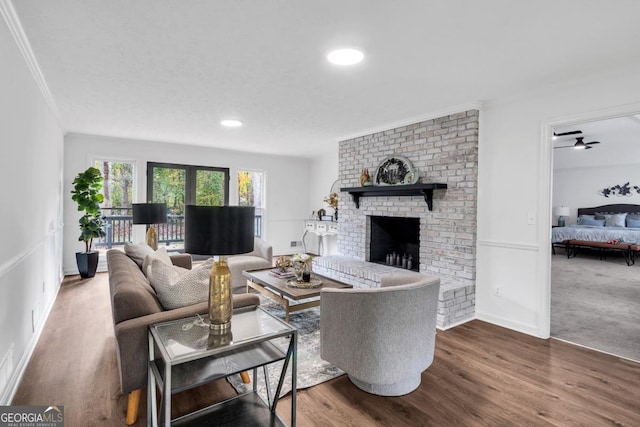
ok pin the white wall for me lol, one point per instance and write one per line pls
(514, 182)
(324, 172)
(578, 187)
(286, 178)
(31, 226)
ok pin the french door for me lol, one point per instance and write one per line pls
(180, 185)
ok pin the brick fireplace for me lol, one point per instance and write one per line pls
(443, 150)
(394, 241)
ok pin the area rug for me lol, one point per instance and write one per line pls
(596, 303)
(311, 369)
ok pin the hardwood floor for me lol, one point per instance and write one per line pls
(482, 375)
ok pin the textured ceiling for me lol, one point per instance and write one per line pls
(171, 70)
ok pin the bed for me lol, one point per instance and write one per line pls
(606, 228)
(601, 233)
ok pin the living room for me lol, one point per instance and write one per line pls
(544, 74)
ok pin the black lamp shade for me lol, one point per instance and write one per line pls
(219, 230)
(149, 213)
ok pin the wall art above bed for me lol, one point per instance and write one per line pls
(624, 190)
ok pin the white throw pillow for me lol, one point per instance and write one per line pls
(161, 254)
(178, 287)
(137, 252)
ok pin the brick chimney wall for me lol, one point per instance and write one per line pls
(441, 150)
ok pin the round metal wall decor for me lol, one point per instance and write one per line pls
(396, 170)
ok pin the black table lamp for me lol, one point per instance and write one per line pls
(150, 213)
(219, 230)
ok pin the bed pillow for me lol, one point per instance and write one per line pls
(633, 217)
(615, 220)
(633, 223)
(178, 287)
(592, 222)
(583, 218)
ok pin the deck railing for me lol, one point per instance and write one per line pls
(119, 223)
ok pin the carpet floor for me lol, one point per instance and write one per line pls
(311, 369)
(596, 303)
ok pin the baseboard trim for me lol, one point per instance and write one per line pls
(509, 324)
(458, 323)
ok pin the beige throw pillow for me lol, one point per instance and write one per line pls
(137, 252)
(161, 254)
(178, 287)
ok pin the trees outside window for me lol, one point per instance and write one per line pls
(250, 193)
(117, 189)
(180, 185)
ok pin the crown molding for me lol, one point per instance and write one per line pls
(415, 119)
(15, 27)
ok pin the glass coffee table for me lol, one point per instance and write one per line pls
(289, 296)
(183, 354)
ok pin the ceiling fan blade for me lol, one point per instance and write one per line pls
(587, 147)
(568, 146)
(590, 143)
(573, 132)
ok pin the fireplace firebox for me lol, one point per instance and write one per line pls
(395, 241)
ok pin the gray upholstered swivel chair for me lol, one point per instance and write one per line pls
(383, 338)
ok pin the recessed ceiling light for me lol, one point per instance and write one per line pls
(231, 123)
(345, 56)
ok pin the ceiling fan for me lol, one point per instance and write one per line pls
(580, 144)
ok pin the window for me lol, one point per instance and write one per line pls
(180, 185)
(117, 188)
(250, 193)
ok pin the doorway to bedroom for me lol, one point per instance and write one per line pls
(595, 297)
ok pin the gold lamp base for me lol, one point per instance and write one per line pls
(152, 238)
(220, 302)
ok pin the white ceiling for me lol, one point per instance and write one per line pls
(170, 70)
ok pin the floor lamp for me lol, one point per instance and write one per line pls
(150, 213)
(221, 231)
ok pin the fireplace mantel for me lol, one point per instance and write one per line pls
(425, 190)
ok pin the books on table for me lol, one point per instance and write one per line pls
(287, 274)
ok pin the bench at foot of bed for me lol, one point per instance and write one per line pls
(628, 250)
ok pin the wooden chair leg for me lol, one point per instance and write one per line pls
(245, 377)
(133, 403)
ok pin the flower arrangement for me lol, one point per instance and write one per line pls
(332, 200)
(302, 258)
(302, 267)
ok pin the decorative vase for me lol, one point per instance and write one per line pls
(306, 272)
(298, 269)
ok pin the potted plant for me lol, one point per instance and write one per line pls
(86, 193)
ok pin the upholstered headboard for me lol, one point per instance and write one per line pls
(620, 208)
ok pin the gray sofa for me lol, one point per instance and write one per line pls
(383, 338)
(135, 306)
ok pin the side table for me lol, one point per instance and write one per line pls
(183, 355)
